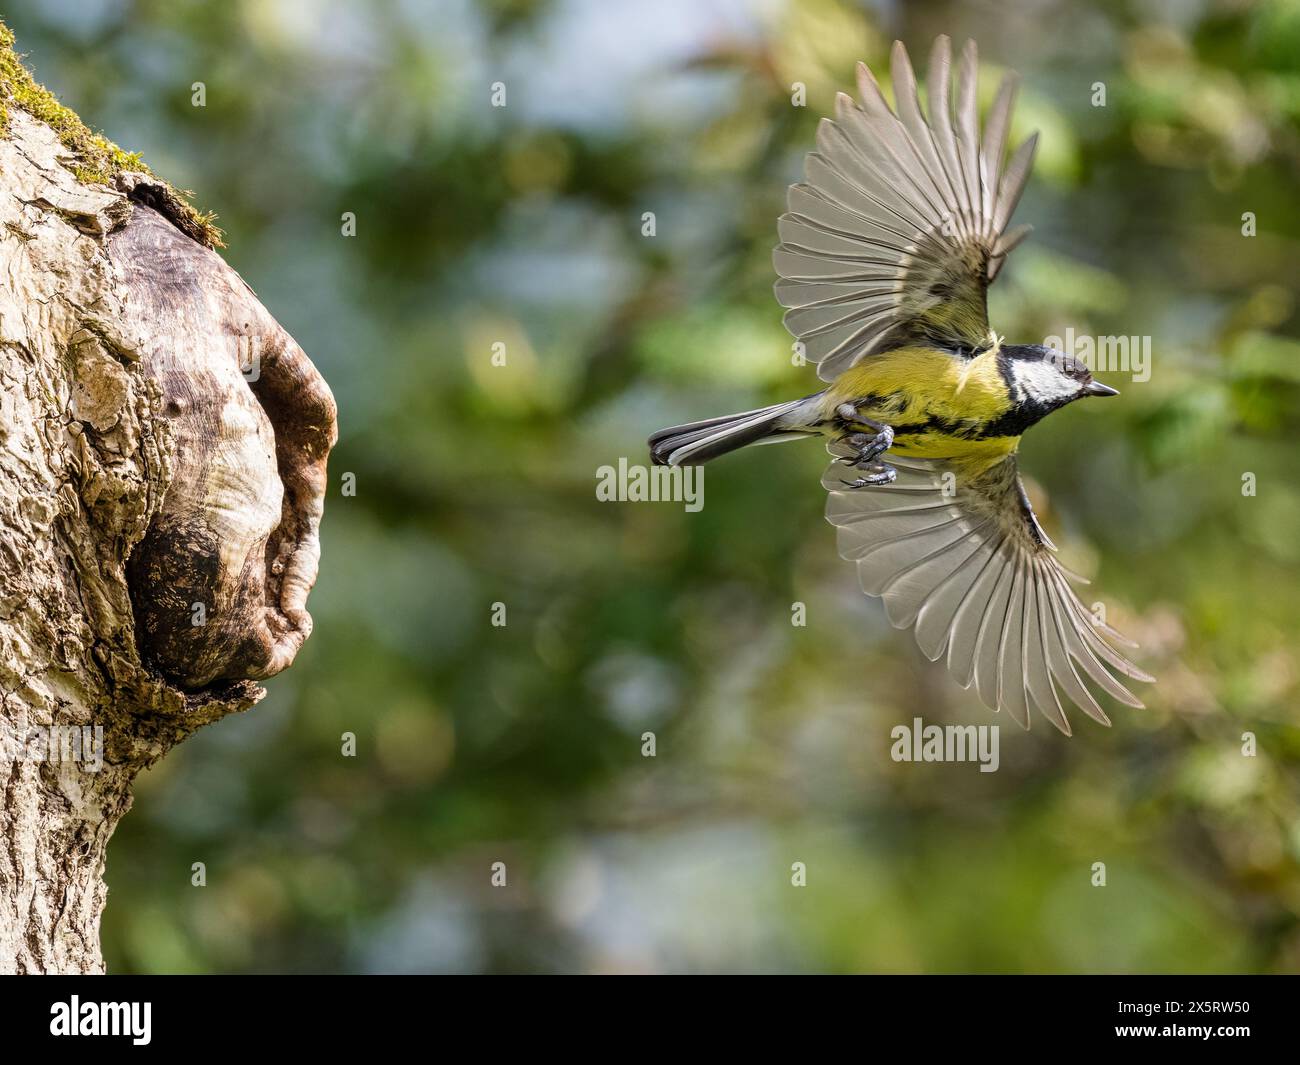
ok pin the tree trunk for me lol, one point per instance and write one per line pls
(161, 483)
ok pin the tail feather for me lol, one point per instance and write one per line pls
(697, 442)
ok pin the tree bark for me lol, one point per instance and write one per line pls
(162, 477)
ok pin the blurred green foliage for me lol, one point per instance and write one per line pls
(475, 485)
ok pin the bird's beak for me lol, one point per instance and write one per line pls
(1096, 388)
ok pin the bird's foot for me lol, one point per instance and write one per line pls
(867, 448)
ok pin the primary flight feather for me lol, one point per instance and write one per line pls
(887, 250)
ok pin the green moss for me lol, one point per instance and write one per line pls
(99, 159)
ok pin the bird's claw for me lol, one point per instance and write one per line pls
(879, 474)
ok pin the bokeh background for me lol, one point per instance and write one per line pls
(475, 485)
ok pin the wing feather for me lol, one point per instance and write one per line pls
(991, 626)
(936, 615)
(939, 90)
(1058, 654)
(1036, 665)
(968, 135)
(1012, 696)
(907, 100)
(910, 589)
(882, 142)
(963, 643)
(996, 127)
(1014, 181)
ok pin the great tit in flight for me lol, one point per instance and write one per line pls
(886, 253)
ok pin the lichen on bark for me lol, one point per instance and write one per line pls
(96, 160)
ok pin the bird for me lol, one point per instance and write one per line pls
(887, 250)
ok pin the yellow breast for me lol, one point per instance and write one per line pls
(936, 403)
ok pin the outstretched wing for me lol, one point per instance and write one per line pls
(966, 564)
(901, 223)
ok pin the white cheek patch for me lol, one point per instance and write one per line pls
(1042, 382)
